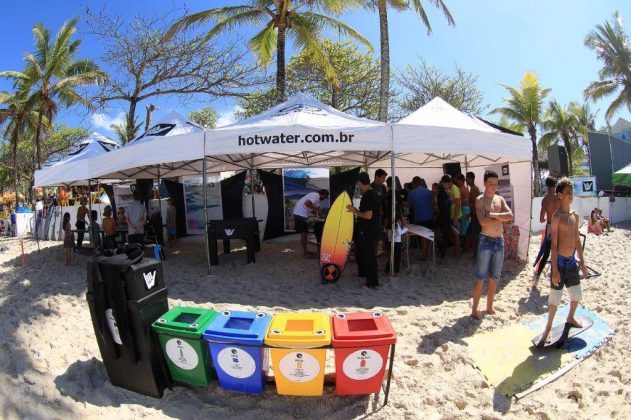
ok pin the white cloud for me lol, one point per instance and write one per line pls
(105, 121)
(228, 116)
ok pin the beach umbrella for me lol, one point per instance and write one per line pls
(623, 176)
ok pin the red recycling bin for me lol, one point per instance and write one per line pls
(361, 341)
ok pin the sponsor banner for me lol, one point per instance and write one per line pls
(584, 186)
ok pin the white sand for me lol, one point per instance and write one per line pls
(50, 363)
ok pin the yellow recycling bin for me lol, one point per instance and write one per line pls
(298, 363)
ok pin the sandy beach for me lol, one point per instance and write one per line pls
(50, 364)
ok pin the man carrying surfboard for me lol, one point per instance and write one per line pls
(310, 202)
(368, 231)
(566, 242)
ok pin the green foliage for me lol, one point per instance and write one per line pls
(62, 140)
(611, 45)
(52, 75)
(205, 117)
(128, 130)
(423, 82)
(524, 107)
(302, 22)
(357, 92)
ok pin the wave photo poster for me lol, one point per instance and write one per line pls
(297, 182)
(194, 198)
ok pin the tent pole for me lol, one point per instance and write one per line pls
(252, 191)
(204, 181)
(92, 240)
(160, 209)
(394, 201)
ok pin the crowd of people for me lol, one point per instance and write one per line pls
(462, 216)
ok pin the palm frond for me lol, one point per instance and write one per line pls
(323, 21)
(203, 17)
(263, 44)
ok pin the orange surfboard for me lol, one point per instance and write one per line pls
(337, 237)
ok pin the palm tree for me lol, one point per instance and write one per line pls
(122, 131)
(586, 121)
(560, 123)
(52, 75)
(382, 8)
(611, 46)
(15, 110)
(299, 20)
(525, 107)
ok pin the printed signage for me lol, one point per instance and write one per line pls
(299, 367)
(362, 364)
(236, 362)
(584, 186)
(182, 354)
(150, 279)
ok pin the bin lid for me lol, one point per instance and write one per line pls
(299, 330)
(184, 321)
(238, 327)
(362, 328)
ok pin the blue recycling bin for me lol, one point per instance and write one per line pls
(235, 340)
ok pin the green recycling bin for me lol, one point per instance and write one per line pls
(180, 333)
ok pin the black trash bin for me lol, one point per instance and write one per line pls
(126, 295)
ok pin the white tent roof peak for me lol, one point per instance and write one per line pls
(439, 113)
(74, 168)
(172, 124)
(303, 109)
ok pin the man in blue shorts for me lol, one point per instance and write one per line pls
(491, 210)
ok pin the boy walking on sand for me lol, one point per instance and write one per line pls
(565, 243)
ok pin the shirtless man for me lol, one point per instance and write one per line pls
(549, 205)
(565, 243)
(492, 211)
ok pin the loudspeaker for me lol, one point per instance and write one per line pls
(557, 161)
(452, 169)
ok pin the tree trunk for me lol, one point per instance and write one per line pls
(16, 174)
(384, 91)
(131, 117)
(335, 93)
(150, 109)
(535, 159)
(38, 139)
(568, 149)
(280, 65)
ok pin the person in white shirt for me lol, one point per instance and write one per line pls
(307, 204)
(136, 216)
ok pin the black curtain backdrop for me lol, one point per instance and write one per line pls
(274, 190)
(344, 181)
(109, 190)
(145, 187)
(176, 191)
(232, 196)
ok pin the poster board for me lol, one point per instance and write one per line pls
(584, 186)
(297, 182)
(504, 187)
(194, 201)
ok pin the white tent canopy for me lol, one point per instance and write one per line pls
(173, 124)
(438, 133)
(74, 169)
(299, 132)
(172, 147)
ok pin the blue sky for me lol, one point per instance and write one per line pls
(498, 40)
